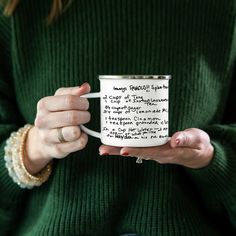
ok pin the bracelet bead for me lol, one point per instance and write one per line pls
(14, 157)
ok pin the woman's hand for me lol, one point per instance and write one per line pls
(66, 110)
(190, 148)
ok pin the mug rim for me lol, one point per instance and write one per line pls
(163, 77)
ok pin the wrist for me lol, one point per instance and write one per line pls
(35, 160)
(15, 157)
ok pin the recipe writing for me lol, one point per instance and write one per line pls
(129, 114)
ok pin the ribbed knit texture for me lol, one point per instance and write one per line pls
(195, 42)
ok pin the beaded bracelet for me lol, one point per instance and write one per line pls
(14, 157)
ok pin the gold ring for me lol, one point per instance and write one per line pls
(60, 136)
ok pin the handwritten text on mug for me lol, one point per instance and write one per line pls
(148, 115)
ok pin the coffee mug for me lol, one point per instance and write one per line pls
(133, 110)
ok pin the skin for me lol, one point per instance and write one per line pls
(67, 110)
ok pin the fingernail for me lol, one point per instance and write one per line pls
(177, 141)
(83, 84)
(125, 154)
(104, 154)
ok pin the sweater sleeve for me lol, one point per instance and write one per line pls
(217, 181)
(10, 120)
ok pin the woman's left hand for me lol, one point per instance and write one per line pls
(189, 148)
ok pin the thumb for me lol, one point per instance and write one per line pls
(188, 138)
(77, 91)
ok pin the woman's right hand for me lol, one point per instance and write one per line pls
(65, 110)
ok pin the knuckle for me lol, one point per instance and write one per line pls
(75, 132)
(83, 142)
(88, 116)
(69, 101)
(39, 122)
(203, 137)
(41, 104)
(201, 146)
(86, 104)
(59, 90)
(84, 117)
(72, 117)
(185, 138)
(58, 150)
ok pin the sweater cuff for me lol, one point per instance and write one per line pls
(219, 177)
(11, 193)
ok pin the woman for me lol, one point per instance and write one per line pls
(188, 186)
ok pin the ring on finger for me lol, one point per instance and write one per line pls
(60, 135)
(139, 160)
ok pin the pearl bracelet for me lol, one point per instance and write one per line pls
(14, 157)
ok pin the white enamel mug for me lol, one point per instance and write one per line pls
(133, 110)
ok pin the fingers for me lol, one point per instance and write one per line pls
(180, 143)
(191, 138)
(61, 150)
(65, 99)
(69, 133)
(77, 91)
(160, 154)
(66, 108)
(153, 153)
(63, 102)
(64, 111)
(60, 119)
(164, 154)
(109, 150)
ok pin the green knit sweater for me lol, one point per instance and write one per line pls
(195, 42)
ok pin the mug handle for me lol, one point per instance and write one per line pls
(85, 129)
